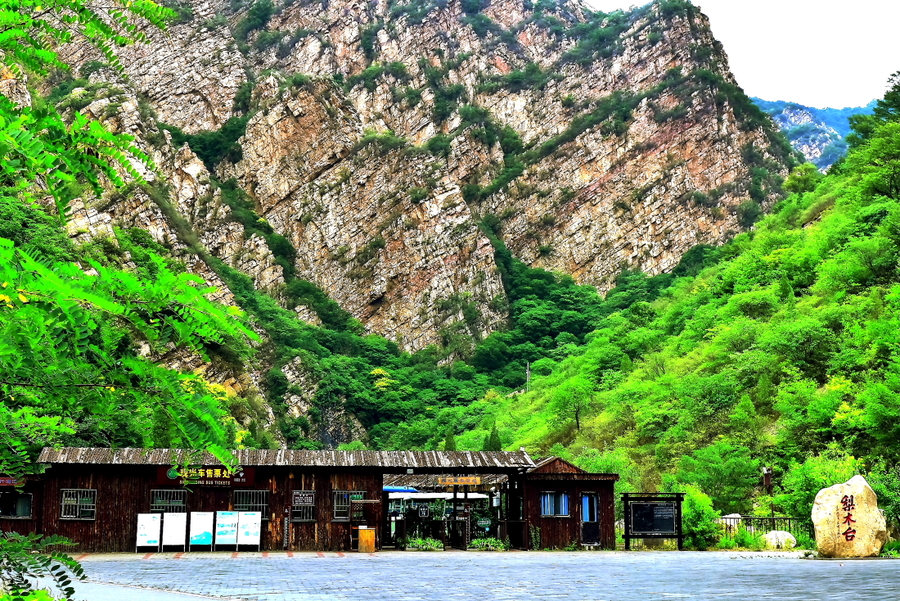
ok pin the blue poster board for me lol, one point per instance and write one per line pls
(226, 527)
(201, 528)
(148, 527)
(249, 527)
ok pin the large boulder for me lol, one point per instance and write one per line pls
(779, 539)
(847, 520)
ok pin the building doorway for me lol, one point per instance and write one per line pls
(590, 522)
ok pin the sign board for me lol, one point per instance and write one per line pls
(226, 527)
(7, 481)
(459, 480)
(653, 518)
(424, 511)
(210, 475)
(303, 497)
(148, 530)
(249, 526)
(484, 522)
(653, 515)
(201, 528)
(174, 529)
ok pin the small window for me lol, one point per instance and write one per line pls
(15, 504)
(342, 500)
(168, 500)
(79, 504)
(303, 506)
(252, 500)
(554, 504)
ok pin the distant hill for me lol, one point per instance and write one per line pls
(817, 133)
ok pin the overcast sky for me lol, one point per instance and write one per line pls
(821, 53)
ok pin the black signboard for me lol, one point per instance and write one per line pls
(424, 511)
(653, 515)
(653, 518)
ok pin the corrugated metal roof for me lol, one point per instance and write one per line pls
(431, 460)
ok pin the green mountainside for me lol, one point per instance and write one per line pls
(819, 134)
(780, 348)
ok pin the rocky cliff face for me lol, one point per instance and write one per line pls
(378, 141)
(817, 134)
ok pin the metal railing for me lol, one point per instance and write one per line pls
(761, 525)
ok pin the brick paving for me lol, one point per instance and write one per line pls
(485, 576)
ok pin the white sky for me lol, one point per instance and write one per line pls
(820, 53)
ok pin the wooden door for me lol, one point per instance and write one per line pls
(590, 522)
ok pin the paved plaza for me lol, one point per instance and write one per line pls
(476, 576)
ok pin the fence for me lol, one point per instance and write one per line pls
(795, 526)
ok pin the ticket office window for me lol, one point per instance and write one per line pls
(79, 504)
(342, 500)
(15, 504)
(168, 500)
(252, 500)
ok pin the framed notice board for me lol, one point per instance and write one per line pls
(653, 515)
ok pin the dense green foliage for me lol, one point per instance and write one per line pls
(782, 351)
(26, 558)
(214, 146)
(72, 371)
(778, 349)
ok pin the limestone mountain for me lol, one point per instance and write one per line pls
(354, 160)
(818, 134)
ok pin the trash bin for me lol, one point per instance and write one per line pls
(366, 540)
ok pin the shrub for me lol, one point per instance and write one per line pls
(417, 195)
(267, 39)
(489, 544)
(386, 141)
(439, 145)
(425, 544)
(701, 528)
(90, 67)
(257, 18)
(213, 146)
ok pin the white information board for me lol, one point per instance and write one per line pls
(226, 527)
(148, 525)
(249, 526)
(174, 529)
(202, 528)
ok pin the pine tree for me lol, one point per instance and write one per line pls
(492, 441)
(450, 442)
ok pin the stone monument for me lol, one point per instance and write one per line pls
(847, 520)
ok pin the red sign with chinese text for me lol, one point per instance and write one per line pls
(7, 481)
(205, 476)
(848, 505)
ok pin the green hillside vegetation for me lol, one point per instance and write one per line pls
(778, 349)
(783, 353)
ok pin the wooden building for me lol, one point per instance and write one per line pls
(309, 500)
(557, 504)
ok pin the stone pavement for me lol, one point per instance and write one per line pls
(485, 576)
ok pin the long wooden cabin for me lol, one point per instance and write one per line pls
(308, 500)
